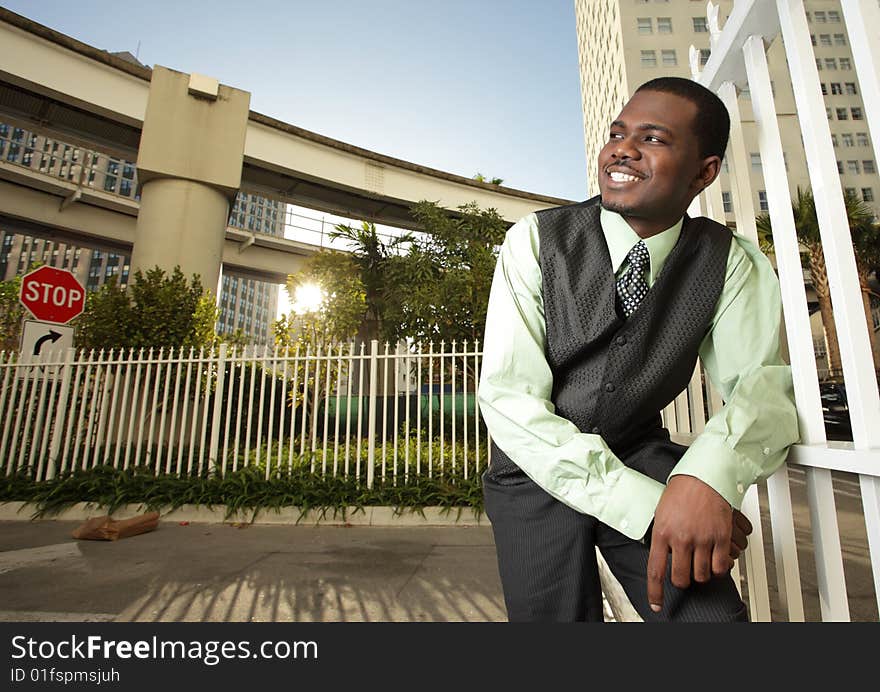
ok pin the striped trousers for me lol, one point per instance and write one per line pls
(547, 562)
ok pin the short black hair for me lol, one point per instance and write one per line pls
(712, 123)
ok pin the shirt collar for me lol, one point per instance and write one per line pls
(621, 238)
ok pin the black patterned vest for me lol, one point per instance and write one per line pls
(613, 376)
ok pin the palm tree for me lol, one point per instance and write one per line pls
(865, 242)
(371, 253)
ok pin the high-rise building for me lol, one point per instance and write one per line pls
(624, 43)
(247, 305)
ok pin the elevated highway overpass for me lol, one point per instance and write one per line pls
(72, 92)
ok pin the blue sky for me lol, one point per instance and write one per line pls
(466, 86)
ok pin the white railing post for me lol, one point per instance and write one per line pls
(785, 242)
(829, 562)
(740, 185)
(862, 16)
(756, 565)
(846, 295)
(371, 411)
(218, 396)
(60, 412)
(870, 488)
(797, 329)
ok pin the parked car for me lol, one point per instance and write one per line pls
(835, 411)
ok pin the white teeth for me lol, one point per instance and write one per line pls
(622, 177)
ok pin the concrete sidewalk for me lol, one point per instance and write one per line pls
(370, 565)
(215, 572)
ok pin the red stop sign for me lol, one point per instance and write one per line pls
(52, 295)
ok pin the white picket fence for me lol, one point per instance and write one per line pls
(344, 410)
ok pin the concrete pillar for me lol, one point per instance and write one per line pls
(189, 171)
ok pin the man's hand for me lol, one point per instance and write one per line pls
(698, 526)
(742, 528)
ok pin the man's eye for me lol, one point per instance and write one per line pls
(652, 138)
(615, 135)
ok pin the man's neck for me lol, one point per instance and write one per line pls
(645, 228)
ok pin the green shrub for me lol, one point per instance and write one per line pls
(252, 488)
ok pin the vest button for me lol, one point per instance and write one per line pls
(620, 341)
(596, 430)
(609, 387)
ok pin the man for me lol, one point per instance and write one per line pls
(597, 315)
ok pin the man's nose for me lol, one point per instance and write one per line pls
(625, 149)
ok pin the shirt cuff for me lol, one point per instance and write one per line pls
(632, 502)
(725, 470)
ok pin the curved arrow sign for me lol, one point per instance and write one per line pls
(52, 336)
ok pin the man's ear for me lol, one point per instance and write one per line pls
(709, 170)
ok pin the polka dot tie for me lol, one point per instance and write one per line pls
(632, 286)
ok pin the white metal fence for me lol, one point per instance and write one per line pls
(739, 61)
(345, 410)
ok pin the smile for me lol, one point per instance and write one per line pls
(619, 177)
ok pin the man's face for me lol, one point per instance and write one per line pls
(651, 168)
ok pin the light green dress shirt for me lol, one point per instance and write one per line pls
(742, 443)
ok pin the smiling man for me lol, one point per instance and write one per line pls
(597, 315)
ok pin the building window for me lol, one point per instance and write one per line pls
(762, 200)
(840, 166)
(852, 167)
(849, 191)
(836, 88)
(851, 88)
(868, 166)
(847, 139)
(868, 194)
(726, 201)
(819, 65)
(649, 58)
(669, 58)
(833, 140)
(645, 25)
(845, 64)
(824, 89)
(856, 113)
(664, 25)
(756, 161)
(819, 17)
(824, 39)
(862, 139)
(839, 40)
(701, 25)
(834, 16)
(813, 39)
(704, 56)
(830, 63)
(842, 114)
